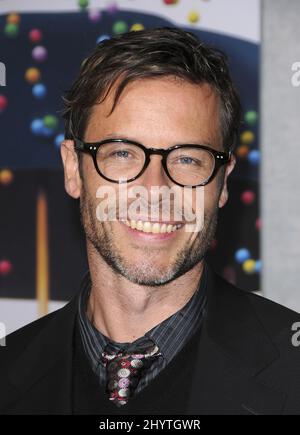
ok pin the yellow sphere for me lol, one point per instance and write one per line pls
(247, 137)
(249, 266)
(32, 75)
(6, 176)
(137, 26)
(13, 19)
(193, 17)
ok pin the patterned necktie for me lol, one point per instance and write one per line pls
(125, 368)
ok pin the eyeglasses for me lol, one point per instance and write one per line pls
(186, 165)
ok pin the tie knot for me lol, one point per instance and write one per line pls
(141, 353)
(144, 347)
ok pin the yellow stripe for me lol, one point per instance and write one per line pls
(42, 258)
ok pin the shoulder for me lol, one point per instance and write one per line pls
(274, 318)
(19, 340)
(270, 312)
(50, 327)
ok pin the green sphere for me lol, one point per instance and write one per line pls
(119, 27)
(251, 117)
(83, 4)
(11, 30)
(50, 121)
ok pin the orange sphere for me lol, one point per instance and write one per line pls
(13, 19)
(242, 151)
(32, 75)
(6, 176)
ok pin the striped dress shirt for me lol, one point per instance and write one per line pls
(170, 335)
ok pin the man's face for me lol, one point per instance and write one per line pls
(158, 113)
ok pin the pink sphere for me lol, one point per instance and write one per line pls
(39, 53)
(94, 15)
(112, 8)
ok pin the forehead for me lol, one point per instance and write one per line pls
(159, 111)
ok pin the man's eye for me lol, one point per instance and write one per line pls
(122, 154)
(186, 160)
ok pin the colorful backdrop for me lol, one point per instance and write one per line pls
(42, 247)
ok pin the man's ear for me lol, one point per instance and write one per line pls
(71, 168)
(224, 192)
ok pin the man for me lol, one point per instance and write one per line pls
(153, 330)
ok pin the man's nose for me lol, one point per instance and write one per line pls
(155, 174)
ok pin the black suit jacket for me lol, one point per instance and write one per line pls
(247, 363)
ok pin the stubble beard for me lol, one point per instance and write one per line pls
(146, 272)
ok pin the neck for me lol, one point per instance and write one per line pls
(125, 311)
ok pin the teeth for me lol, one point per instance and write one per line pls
(163, 228)
(151, 227)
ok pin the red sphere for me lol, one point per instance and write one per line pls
(248, 197)
(3, 102)
(35, 36)
(5, 267)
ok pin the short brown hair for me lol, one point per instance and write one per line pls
(162, 51)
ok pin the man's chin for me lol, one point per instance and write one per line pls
(145, 273)
(148, 281)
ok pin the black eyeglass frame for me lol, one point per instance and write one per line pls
(220, 158)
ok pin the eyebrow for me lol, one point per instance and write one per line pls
(131, 139)
(119, 136)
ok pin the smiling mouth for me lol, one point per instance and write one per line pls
(152, 227)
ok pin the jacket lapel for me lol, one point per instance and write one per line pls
(46, 366)
(233, 350)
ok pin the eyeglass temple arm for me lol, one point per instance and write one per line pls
(229, 155)
(79, 145)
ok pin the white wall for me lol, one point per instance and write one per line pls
(280, 138)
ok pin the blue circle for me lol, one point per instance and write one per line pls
(58, 139)
(36, 126)
(242, 255)
(254, 157)
(39, 90)
(102, 38)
